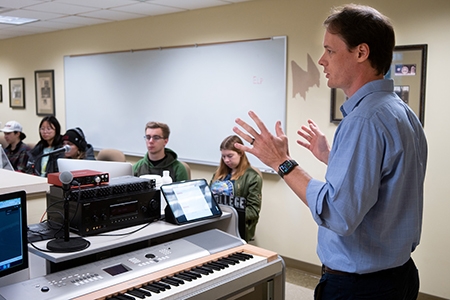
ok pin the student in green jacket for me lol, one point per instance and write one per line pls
(236, 177)
(158, 157)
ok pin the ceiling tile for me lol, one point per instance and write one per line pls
(18, 3)
(55, 15)
(56, 25)
(60, 8)
(81, 21)
(148, 9)
(102, 4)
(113, 15)
(191, 4)
(34, 14)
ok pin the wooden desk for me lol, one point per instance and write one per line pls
(17, 181)
(36, 188)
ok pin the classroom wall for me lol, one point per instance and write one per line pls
(285, 225)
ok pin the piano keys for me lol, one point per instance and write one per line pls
(208, 265)
(220, 269)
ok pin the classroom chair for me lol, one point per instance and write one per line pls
(111, 155)
(188, 168)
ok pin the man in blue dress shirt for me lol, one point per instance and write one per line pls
(369, 208)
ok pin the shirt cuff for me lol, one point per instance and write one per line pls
(315, 198)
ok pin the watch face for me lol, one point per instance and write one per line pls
(285, 166)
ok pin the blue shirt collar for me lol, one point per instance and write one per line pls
(381, 85)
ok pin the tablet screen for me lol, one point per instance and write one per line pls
(189, 201)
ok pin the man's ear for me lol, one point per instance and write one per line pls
(363, 51)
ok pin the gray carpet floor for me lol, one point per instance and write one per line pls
(299, 284)
(297, 292)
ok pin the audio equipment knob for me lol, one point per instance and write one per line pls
(153, 204)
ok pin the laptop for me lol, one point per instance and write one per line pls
(114, 168)
(13, 237)
(4, 160)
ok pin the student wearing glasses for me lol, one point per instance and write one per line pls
(158, 157)
(51, 139)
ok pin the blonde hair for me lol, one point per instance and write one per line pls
(223, 170)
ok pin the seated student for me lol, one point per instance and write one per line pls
(235, 177)
(17, 151)
(158, 157)
(80, 149)
(51, 139)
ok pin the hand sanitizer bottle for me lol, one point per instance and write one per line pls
(164, 180)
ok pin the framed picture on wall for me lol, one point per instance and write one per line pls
(17, 92)
(45, 92)
(337, 99)
(1, 93)
(408, 70)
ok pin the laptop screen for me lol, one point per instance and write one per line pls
(13, 233)
(114, 168)
(189, 201)
(4, 161)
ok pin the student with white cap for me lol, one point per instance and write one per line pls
(16, 150)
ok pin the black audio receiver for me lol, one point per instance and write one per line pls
(125, 201)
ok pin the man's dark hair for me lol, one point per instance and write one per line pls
(358, 24)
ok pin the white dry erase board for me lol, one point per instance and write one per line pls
(198, 90)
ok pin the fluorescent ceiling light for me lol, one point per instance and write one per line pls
(16, 20)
